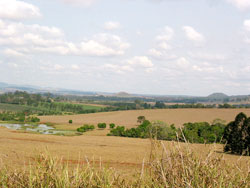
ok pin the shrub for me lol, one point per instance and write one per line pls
(101, 125)
(70, 121)
(85, 128)
(111, 125)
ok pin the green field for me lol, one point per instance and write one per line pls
(21, 108)
(15, 107)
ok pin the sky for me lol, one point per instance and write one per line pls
(167, 47)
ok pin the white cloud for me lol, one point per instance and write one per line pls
(192, 34)
(79, 2)
(104, 45)
(246, 25)
(208, 68)
(120, 69)
(13, 53)
(166, 34)
(36, 38)
(207, 56)
(141, 61)
(15, 10)
(112, 25)
(161, 54)
(182, 62)
(75, 67)
(241, 4)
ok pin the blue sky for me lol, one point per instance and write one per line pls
(182, 47)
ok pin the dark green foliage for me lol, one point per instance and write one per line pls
(160, 104)
(203, 132)
(141, 119)
(192, 132)
(86, 128)
(111, 125)
(70, 121)
(33, 119)
(102, 125)
(237, 135)
(118, 131)
(19, 117)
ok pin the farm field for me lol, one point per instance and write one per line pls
(125, 154)
(129, 118)
(15, 107)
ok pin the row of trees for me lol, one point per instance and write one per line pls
(202, 132)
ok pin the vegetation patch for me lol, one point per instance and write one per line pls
(237, 135)
(86, 128)
(201, 132)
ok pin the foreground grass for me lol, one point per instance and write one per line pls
(167, 167)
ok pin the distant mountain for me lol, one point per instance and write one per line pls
(123, 94)
(218, 96)
(4, 87)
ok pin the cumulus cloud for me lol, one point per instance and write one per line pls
(13, 53)
(112, 25)
(192, 34)
(141, 61)
(241, 4)
(42, 39)
(17, 10)
(162, 45)
(166, 34)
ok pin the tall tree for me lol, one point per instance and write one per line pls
(237, 135)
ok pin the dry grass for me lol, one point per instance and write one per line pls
(125, 154)
(174, 167)
(129, 118)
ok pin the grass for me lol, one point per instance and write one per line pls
(174, 167)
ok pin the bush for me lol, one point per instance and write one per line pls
(101, 125)
(203, 132)
(85, 128)
(111, 125)
(70, 121)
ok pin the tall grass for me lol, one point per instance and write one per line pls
(174, 167)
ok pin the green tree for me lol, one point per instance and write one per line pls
(141, 119)
(237, 135)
